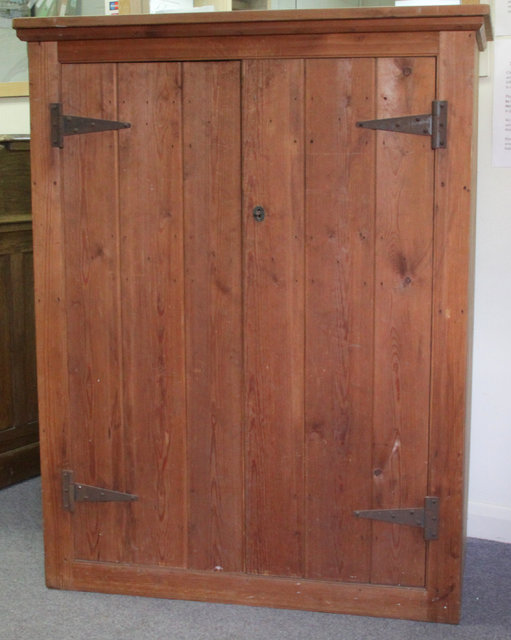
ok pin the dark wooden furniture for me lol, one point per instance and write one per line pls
(19, 440)
(253, 314)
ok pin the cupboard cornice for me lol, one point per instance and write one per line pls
(258, 23)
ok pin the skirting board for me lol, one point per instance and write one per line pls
(489, 521)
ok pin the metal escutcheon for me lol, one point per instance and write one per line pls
(258, 213)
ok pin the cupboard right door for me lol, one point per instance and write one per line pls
(337, 282)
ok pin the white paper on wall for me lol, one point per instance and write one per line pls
(502, 104)
(169, 6)
(503, 17)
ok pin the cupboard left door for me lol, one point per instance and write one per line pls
(122, 225)
(139, 283)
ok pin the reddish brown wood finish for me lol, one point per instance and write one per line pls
(404, 216)
(339, 318)
(91, 248)
(150, 230)
(254, 383)
(273, 143)
(454, 221)
(330, 45)
(468, 17)
(214, 348)
(50, 309)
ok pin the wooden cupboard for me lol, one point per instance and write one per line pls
(253, 309)
(19, 440)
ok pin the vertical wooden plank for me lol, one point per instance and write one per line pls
(339, 316)
(50, 308)
(151, 266)
(452, 320)
(405, 170)
(273, 177)
(90, 197)
(212, 192)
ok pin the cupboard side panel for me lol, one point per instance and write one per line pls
(151, 267)
(452, 320)
(339, 316)
(50, 311)
(214, 357)
(90, 197)
(273, 177)
(405, 166)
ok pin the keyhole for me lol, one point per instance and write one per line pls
(258, 214)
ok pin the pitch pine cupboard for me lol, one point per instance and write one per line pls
(253, 303)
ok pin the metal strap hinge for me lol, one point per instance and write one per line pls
(65, 125)
(432, 124)
(427, 518)
(77, 492)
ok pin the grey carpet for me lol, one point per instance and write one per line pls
(29, 611)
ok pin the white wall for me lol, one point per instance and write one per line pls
(489, 510)
(14, 115)
(489, 506)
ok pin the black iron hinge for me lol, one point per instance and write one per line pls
(432, 124)
(77, 492)
(427, 518)
(65, 125)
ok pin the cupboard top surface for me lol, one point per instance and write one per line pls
(312, 21)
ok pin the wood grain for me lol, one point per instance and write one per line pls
(50, 300)
(152, 311)
(455, 178)
(267, 591)
(260, 23)
(340, 207)
(331, 45)
(273, 177)
(91, 209)
(14, 181)
(404, 192)
(214, 354)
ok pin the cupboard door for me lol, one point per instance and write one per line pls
(253, 381)
(337, 312)
(153, 254)
(368, 259)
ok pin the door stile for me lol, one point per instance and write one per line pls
(452, 321)
(403, 264)
(50, 310)
(91, 249)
